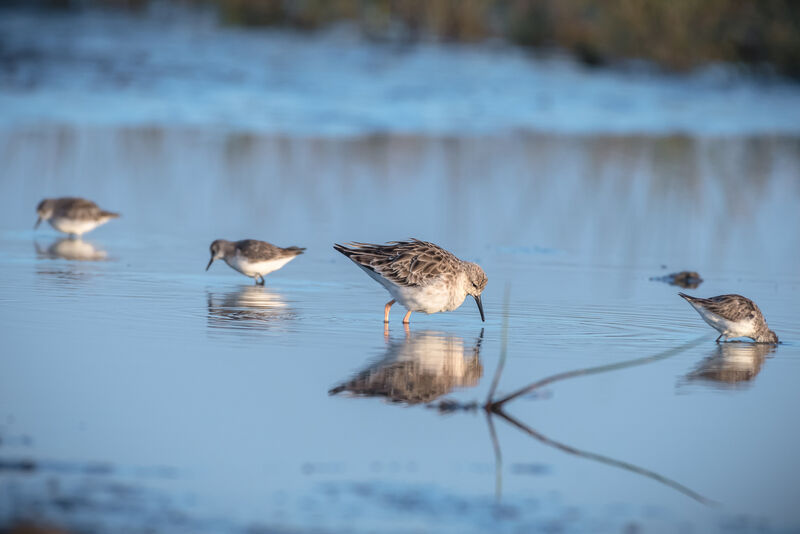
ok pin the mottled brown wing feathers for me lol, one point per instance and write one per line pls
(406, 263)
(263, 251)
(732, 307)
(77, 208)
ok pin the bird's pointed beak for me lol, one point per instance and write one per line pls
(210, 262)
(480, 307)
(38, 222)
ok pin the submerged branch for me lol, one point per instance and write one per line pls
(503, 347)
(496, 406)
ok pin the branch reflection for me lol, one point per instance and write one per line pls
(495, 408)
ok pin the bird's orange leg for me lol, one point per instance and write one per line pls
(405, 319)
(386, 311)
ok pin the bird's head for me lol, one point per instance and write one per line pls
(44, 210)
(217, 250)
(476, 283)
(770, 337)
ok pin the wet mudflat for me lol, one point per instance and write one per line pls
(140, 392)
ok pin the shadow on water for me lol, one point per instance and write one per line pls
(731, 365)
(73, 249)
(248, 308)
(419, 368)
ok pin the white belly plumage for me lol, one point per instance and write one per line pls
(257, 268)
(726, 327)
(434, 297)
(74, 226)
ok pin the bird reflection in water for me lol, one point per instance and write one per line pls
(731, 365)
(72, 249)
(418, 369)
(249, 307)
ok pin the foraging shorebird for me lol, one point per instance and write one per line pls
(421, 276)
(252, 258)
(73, 216)
(733, 316)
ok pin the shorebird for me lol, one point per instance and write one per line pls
(421, 276)
(73, 216)
(733, 316)
(252, 258)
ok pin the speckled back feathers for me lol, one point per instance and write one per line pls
(404, 263)
(73, 208)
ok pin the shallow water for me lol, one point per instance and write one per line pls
(139, 391)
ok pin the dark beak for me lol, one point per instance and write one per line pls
(210, 262)
(480, 307)
(38, 222)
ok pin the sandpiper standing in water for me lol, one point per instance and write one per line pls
(421, 276)
(73, 216)
(252, 258)
(733, 316)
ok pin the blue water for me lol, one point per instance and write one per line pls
(140, 393)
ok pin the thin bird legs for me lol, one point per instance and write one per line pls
(386, 310)
(386, 313)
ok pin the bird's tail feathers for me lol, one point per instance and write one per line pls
(343, 249)
(295, 250)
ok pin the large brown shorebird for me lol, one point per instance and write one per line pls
(421, 276)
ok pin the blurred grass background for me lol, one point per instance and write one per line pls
(679, 35)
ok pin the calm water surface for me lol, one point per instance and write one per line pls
(139, 392)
